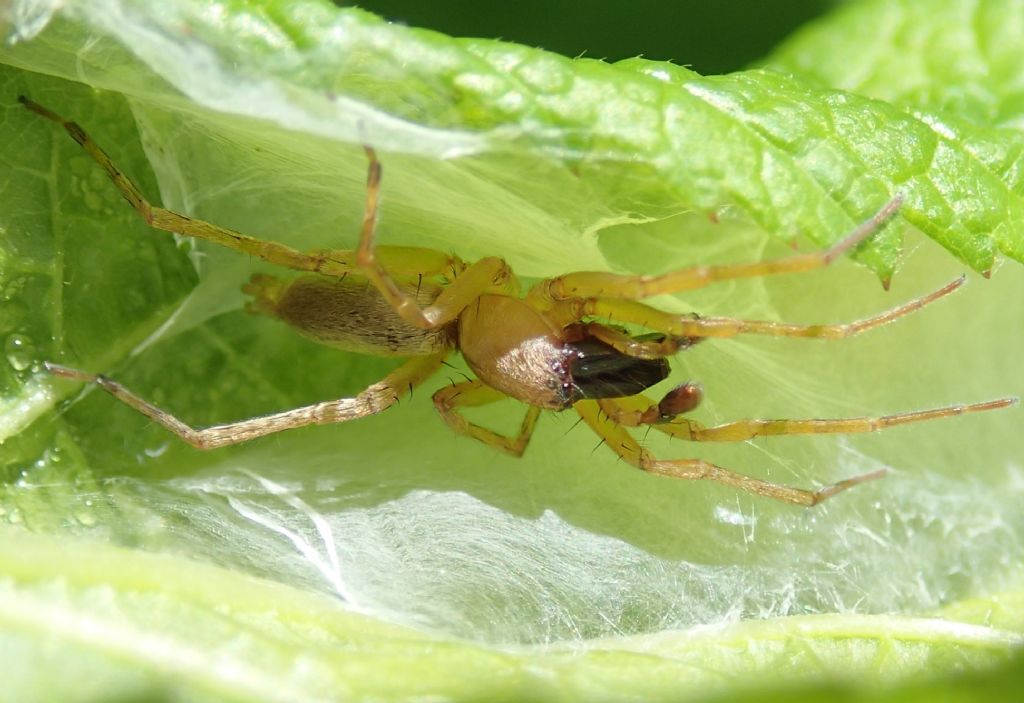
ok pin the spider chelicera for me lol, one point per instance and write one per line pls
(546, 348)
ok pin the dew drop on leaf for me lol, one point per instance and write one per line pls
(19, 351)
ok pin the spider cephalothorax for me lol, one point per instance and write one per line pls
(549, 348)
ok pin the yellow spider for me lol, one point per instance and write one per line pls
(546, 349)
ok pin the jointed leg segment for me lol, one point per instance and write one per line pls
(486, 275)
(169, 221)
(611, 285)
(634, 312)
(639, 347)
(472, 394)
(375, 399)
(636, 411)
(623, 444)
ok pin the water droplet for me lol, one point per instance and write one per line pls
(14, 517)
(20, 351)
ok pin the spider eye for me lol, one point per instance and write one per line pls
(600, 371)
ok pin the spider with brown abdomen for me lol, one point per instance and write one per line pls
(547, 348)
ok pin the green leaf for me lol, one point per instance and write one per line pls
(953, 64)
(944, 56)
(636, 134)
(610, 583)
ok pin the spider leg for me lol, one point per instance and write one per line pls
(490, 274)
(638, 347)
(402, 260)
(610, 285)
(376, 398)
(623, 444)
(631, 311)
(471, 394)
(638, 410)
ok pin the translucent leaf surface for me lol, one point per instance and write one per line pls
(564, 575)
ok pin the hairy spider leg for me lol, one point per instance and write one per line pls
(638, 347)
(376, 398)
(472, 394)
(634, 312)
(586, 284)
(637, 411)
(488, 275)
(623, 444)
(409, 261)
(377, 265)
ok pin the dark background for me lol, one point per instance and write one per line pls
(713, 36)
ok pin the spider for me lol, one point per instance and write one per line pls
(547, 348)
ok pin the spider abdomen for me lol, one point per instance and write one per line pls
(348, 313)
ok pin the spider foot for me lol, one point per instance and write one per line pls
(68, 372)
